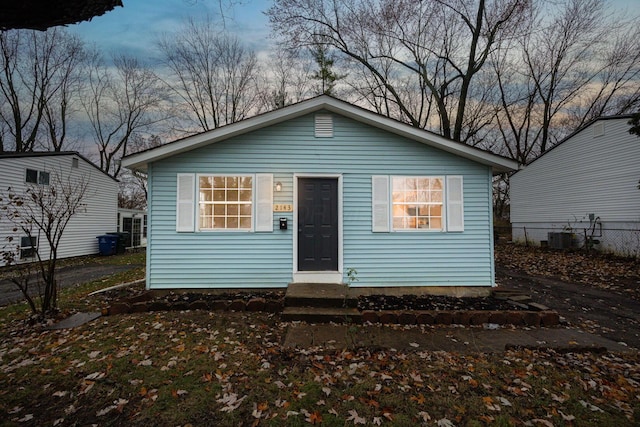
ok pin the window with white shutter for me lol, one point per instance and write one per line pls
(418, 203)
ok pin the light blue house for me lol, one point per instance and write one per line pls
(310, 191)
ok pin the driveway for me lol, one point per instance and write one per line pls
(607, 313)
(67, 276)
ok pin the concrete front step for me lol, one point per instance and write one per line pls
(319, 295)
(322, 314)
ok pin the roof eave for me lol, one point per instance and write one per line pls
(498, 164)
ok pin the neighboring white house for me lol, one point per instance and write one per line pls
(134, 222)
(20, 170)
(587, 185)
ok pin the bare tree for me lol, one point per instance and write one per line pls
(572, 67)
(121, 102)
(442, 45)
(39, 79)
(133, 191)
(286, 78)
(42, 213)
(213, 74)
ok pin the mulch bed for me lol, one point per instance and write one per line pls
(435, 302)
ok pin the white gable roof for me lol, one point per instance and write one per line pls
(140, 160)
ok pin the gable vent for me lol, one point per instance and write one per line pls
(598, 129)
(324, 126)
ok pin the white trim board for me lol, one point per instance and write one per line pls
(317, 276)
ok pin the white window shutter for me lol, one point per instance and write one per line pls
(264, 202)
(185, 202)
(380, 204)
(455, 205)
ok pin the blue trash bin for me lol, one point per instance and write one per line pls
(107, 244)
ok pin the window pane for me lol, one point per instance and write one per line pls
(219, 196)
(232, 182)
(43, 178)
(232, 195)
(397, 223)
(245, 222)
(206, 182)
(232, 210)
(423, 183)
(32, 176)
(245, 210)
(218, 209)
(206, 210)
(245, 195)
(232, 222)
(398, 184)
(205, 222)
(218, 181)
(206, 195)
(218, 222)
(246, 182)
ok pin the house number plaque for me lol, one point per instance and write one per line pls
(283, 207)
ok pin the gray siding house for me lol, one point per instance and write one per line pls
(588, 182)
(19, 170)
(311, 191)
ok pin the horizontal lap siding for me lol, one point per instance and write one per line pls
(210, 259)
(583, 175)
(101, 200)
(420, 258)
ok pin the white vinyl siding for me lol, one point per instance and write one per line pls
(585, 174)
(100, 204)
(185, 202)
(594, 171)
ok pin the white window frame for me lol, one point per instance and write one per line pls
(318, 276)
(225, 230)
(40, 175)
(443, 213)
(33, 240)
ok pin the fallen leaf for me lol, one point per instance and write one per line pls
(314, 418)
(26, 418)
(357, 419)
(444, 422)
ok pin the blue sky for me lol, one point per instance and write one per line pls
(134, 28)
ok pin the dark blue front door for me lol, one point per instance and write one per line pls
(317, 224)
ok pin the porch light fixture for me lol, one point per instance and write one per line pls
(278, 186)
